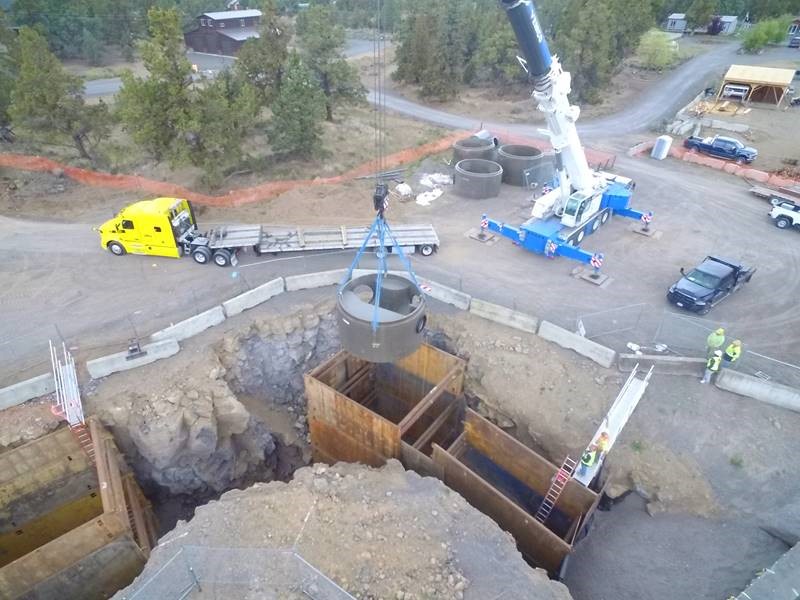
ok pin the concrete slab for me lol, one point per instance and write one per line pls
(191, 326)
(572, 341)
(594, 278)
(665, 364)
(314, 280)
(114, 363)
(26, 390)
(254, 297)
(504, 316)
(476, 234)
(780, 582)
(759, 389)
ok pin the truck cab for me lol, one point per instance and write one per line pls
(785, 214)
(154, 227)
(703, 287)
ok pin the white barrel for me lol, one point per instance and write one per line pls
(661, 147)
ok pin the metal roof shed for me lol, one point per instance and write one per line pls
(766, 84)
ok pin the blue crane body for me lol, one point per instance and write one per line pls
(581, 200)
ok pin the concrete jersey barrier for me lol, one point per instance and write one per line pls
(239, 304)
(669, 365)
(314, 280)
(759, 389)
(504, 316)
(566, 339)
(26, 390)
(113, 363)
(191, 326)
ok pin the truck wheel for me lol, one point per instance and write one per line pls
(704, 310)
(580, 236)
(201, 255)
(116, 248)
(222, 258)
(595, 225)
(604, 218)
(426, 250)
(783, 223)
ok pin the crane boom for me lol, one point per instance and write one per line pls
(551, 88)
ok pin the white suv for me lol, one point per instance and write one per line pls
(786, 214)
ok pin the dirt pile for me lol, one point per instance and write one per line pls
(383, 533)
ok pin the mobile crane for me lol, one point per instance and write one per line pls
(581, 200)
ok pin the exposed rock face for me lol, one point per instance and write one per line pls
(192, 439)
(269, 359)
(376, 533)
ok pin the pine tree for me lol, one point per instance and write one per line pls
(322, 42)
(298, 111)
(155, 109)
(8, 68)
(699, 13)
(260, 61)
(91, 48)
(48, 101)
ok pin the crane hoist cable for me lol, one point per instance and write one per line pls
(396, 316)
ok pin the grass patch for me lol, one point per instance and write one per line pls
(737, 461)
(637, 446)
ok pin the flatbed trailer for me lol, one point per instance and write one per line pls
(792, 194)
(270, 239)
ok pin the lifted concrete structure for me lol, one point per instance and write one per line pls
(70, 526)
(413, 410)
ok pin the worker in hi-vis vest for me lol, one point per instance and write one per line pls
(594, 452)
(714, 341)
(712, 366)
(732, 353)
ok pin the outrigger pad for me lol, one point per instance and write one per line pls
(400, 317)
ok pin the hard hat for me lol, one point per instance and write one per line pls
(720, 331)
(717, 352)
(604, 435)
(737, 342)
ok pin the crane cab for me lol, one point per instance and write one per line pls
(580, 207)
(153, 227)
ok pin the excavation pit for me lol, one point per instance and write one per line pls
(75, 523)
(413, 410)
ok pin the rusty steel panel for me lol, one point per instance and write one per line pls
(534, 540)
(418, 462)
(523, 463)
(334, 419)
(413, 376)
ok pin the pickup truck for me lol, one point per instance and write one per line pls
(723, 147)
(708, 284)
(785, 214)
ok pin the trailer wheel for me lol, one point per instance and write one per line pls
(201, 255)
(426, 249)
(116, 248)
(222, 258)
(604, 218)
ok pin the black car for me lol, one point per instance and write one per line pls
(708, 284)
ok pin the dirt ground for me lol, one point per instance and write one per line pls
(773, 132)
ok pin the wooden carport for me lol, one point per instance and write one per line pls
(766, 84)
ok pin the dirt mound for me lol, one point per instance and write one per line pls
(383, 533)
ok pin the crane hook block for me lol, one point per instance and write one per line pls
(383, 333)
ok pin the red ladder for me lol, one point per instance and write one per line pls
(562, 476)
(80, 431)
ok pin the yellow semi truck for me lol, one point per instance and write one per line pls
(167, 227)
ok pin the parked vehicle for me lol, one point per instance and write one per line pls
(794, 42)
(708, 284)
(722, 147)
(167, 227)
(785, 214)
(737, 92)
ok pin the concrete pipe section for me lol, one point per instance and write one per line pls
(475, 147)
(477, 178)
(401, 318)
(515, 160)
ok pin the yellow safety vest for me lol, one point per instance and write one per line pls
(733, 352)
(589, 458)
(713, 363)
